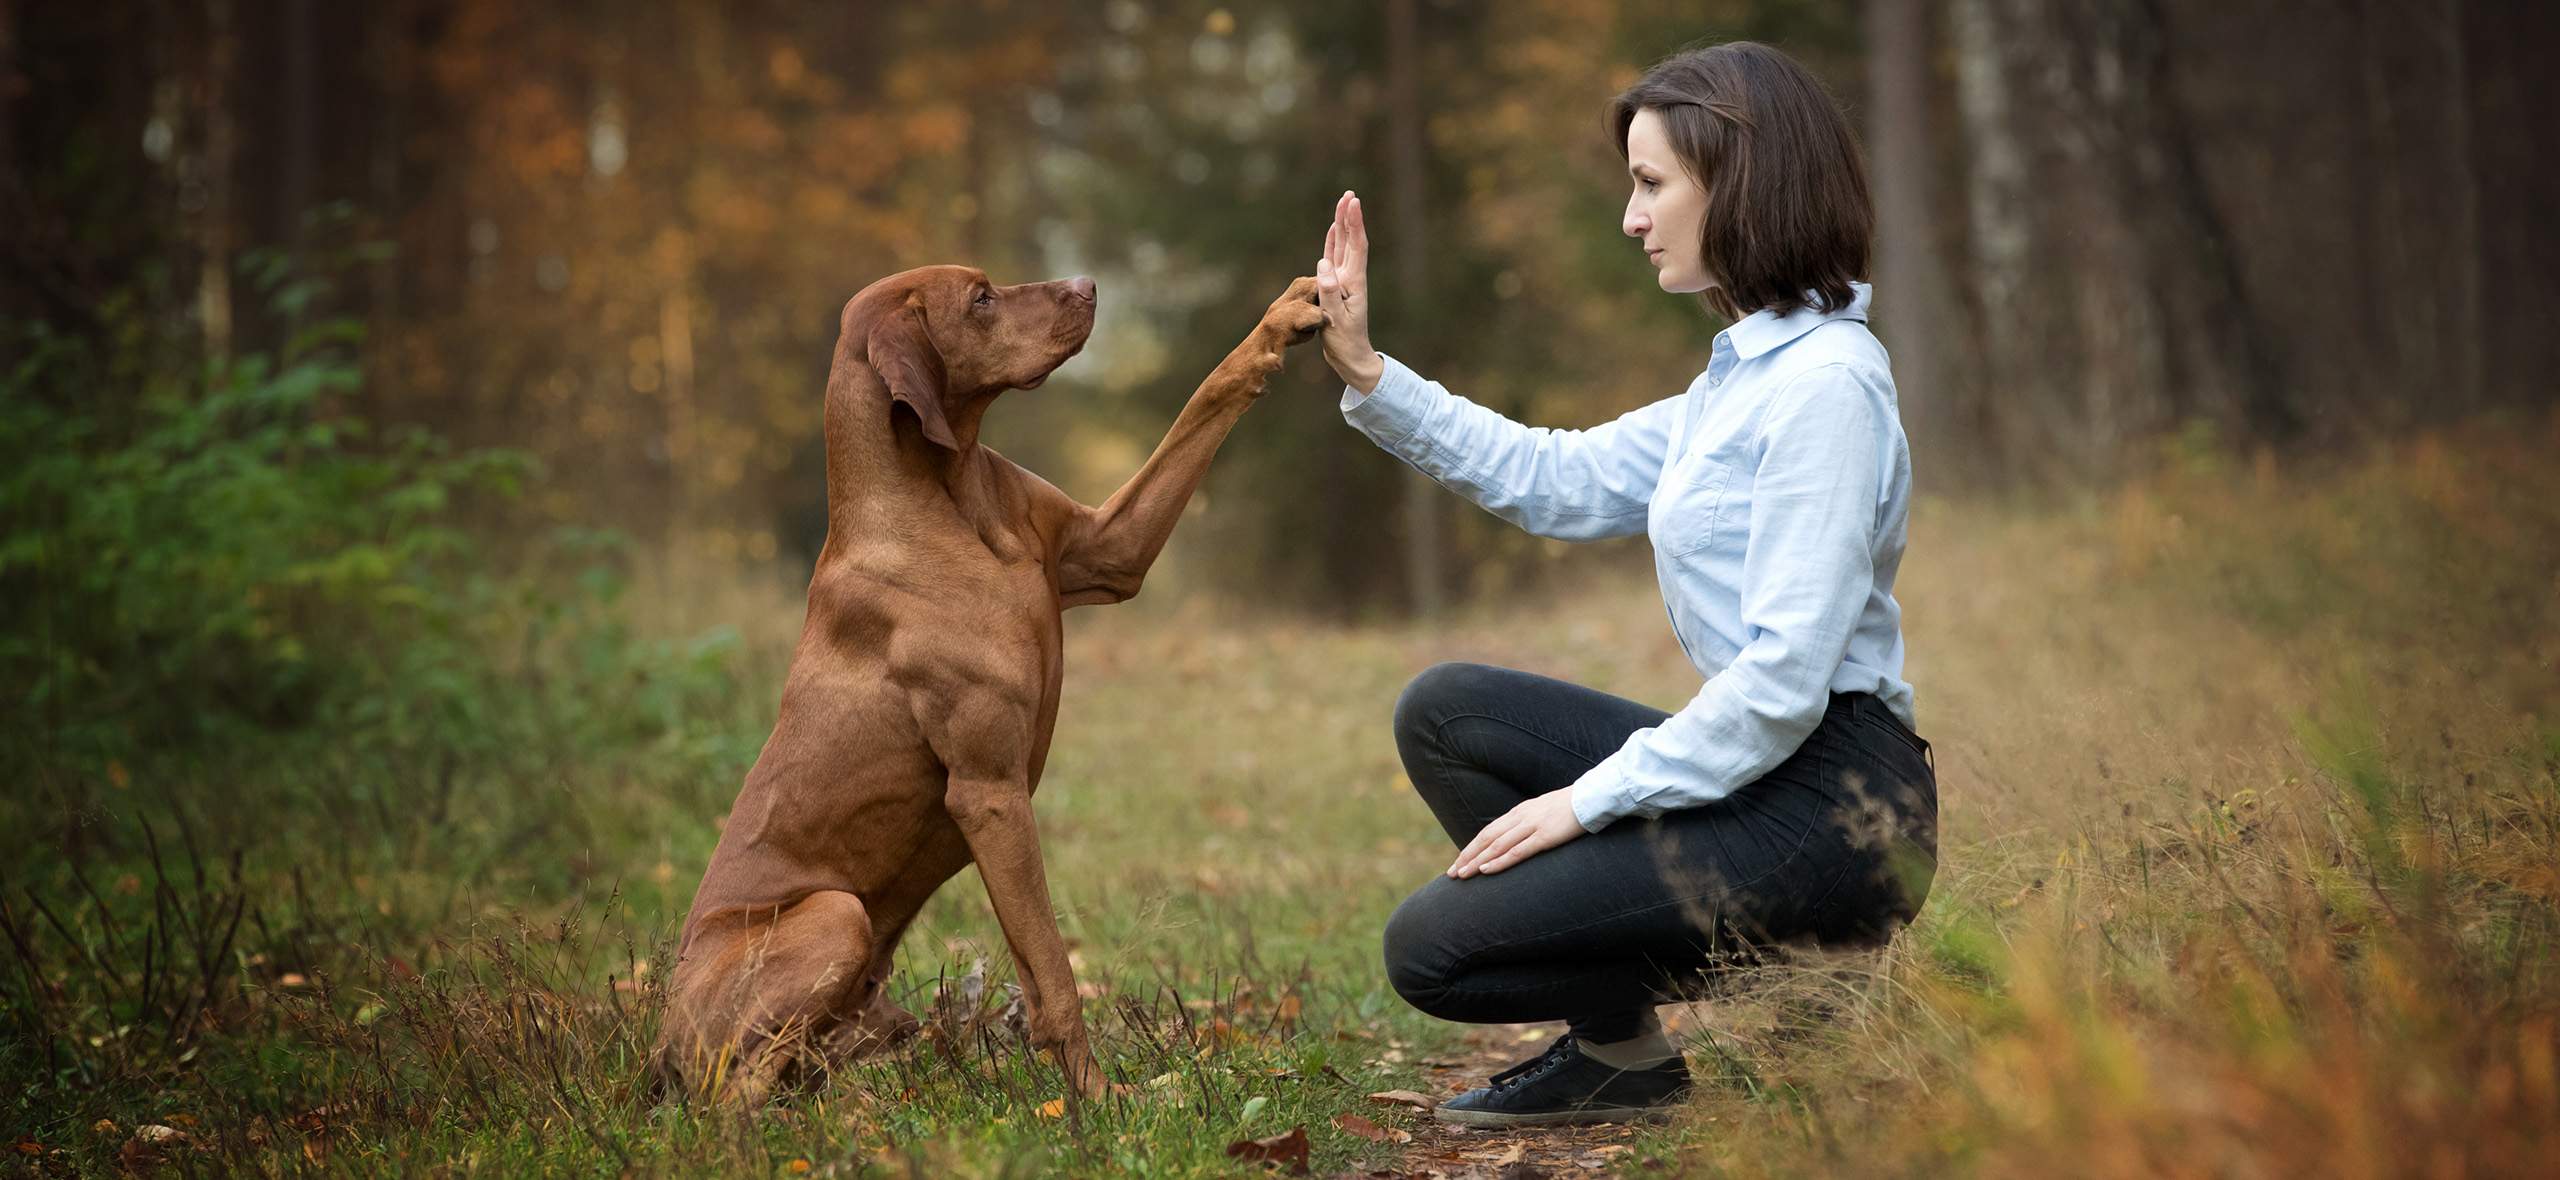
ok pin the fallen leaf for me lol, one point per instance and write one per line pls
(1518, 1152)
(1054, 1108)
(155, 1133)
(799, 1165)
(1287, 1009)
(1371, 1131)
(1290, 1149)
(1530, 1035)
(1404, 1098)
(104, 1126)
(29, 1146)
(1088, 989)
(1611, 1149)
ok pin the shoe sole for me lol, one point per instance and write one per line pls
(1495, 1120)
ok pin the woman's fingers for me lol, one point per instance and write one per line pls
(1516, 845)
(1475, 850)
(1495, 840)
(1355, 243)
(1529, 844)
(1346, 244)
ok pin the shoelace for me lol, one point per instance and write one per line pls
(1529, 1071)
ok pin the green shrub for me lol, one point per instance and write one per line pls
(228, 580)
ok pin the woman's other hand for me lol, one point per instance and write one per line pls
(1342, 288)
(1535, 826)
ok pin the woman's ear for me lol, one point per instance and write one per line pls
(907, 361)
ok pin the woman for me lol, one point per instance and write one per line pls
(1611, 852)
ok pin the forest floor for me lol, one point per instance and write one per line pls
(2250, 866)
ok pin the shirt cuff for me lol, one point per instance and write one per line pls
(1392, 410)
(1599, 796)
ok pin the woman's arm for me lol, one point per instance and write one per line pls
(1573, 485)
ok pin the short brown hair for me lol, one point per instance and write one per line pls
(1789, 222)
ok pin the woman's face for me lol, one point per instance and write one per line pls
(1668, 209)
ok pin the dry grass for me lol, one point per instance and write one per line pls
(2252, 788)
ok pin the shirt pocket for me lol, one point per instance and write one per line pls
(1691, 510)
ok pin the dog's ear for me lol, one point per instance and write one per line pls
(907, 360)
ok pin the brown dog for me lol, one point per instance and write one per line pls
(919, 705)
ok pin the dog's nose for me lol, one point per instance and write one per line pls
(1081, 287)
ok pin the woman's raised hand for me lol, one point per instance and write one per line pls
(1342, 287)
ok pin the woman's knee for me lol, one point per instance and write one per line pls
(1419, 965)
(1440, 691)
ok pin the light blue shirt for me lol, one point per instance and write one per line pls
(1776, 491)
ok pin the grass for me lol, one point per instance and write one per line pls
(2252, 790)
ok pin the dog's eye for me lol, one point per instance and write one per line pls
(986, 297)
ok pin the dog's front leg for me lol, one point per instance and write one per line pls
(1109, 550)
(995, 818)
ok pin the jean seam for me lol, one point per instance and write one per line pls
(1439, 732)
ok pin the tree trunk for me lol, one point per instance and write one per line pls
(2462, 229)
(1997, 225)
(675, 353)
(300, 124)
(1908, 286)
(213, 303)
(1406, 174)
(9, 162)
(387, 65)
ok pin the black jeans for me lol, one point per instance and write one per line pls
(1836, 846)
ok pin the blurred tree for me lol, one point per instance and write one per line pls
(623, 232)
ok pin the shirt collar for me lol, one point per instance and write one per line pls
(1766, 331)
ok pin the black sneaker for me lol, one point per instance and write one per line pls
(1565, 1086)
